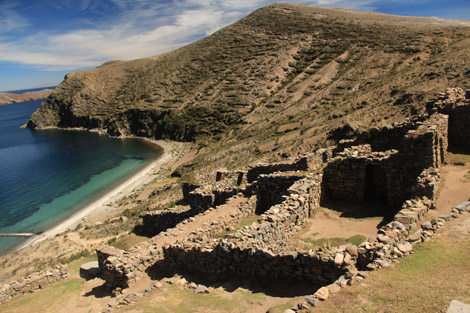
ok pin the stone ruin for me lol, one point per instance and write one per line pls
(397, 165)
(455, 103)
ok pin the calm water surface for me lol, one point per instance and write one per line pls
(47, 175)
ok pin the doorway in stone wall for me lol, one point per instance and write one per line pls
(375, 183)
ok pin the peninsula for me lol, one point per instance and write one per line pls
(7, 98)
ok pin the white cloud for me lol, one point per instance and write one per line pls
(9, 18)
(142, 29)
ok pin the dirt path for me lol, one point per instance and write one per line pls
(455, 187)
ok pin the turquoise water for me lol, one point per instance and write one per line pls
(47, 175)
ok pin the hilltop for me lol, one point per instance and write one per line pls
(280, 81)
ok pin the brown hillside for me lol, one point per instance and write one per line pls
(275, 83)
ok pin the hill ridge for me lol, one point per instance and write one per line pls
(312, 69)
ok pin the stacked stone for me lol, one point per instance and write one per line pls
(344, 177)
(427, 183)
(271, 187)
(33, 282)
(199, 198)
(385, 138)
(128, 266)
(300, 164)
(252, 250)
(454, 102)
(210, 195)
(187, 188)
(120, 268)
(397, 238)
(459, 125)
(448, 100)
(426, 146)
(155, 222)
(214, 228)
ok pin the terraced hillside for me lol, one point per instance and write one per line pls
(280, 81)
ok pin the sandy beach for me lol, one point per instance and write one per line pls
(100, 209)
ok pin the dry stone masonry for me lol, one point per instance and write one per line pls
(397, 164)
(33, 282)
(455, 103)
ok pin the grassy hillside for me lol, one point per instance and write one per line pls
(273, 84)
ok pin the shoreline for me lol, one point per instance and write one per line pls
(101, 205)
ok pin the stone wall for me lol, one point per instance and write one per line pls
(33, 282)
(426, 146)
(258, 249)
(455, 103)
(156, 222)
(300, 164)
(271, 188)
(359, 173)
(120, 269)
(187, 188)
(397, 238)
(210, 195)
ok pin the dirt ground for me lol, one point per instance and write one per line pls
(332, 223)
(455, 187)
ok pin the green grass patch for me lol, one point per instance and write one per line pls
(427, 281)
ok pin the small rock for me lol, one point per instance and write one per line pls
(426, 226)
(458, 307)
(201, 289)
(192, 286)
(347, 258)
(339, 258)
(311, 300)
(416, 236)
(383, 238)
(322, 293)
(352, 250)
(406, 247)
(289, 311)
(334, 288)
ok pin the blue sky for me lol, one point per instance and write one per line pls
(42, 40)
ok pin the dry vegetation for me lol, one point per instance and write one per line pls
(270, 86)
(273, 84)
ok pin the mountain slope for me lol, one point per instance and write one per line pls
(278, 80)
